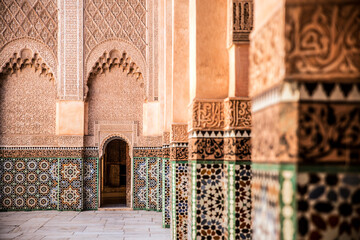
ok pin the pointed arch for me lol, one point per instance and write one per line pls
(109, 53)
(114, 59)
(26, 58)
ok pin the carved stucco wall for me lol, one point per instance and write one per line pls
(127, 22)
(32, 19)
(27, 107)
(115, 98)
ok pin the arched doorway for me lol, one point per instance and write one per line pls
(115, 174)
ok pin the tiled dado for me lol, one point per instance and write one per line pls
(179, 189)
(166, 187)
(220, 199)
(70, 184)
(147, 178)
(48, 183)
(294, 201)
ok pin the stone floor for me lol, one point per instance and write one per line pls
(88, 225)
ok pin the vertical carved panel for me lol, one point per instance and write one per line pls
(242, 20)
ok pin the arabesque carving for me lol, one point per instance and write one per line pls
(114, 59)
(26, 58)
(323, 40)
(267, 53)
(179, 133)
(237, 113)
(207, 115)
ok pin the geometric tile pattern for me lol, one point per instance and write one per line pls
(179, 201)
(210, 200)
(70, 184)
(242, 201)
(152, 183)
(28, 183)
(328, 205)
(159, 185)
(90, 183)
(265, 191)
(140, 197)
(166, 192)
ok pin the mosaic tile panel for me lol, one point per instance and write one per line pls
(28, 183)
(328, 205)
(140, 197)
(159, 185)
(210, 199)
(152, 183)
(179, 199)
(265, 190)
(166, 193)
(242, 202)
(91, 183)
(70, 183)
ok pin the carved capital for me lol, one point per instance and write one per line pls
(166, 138)
(207, 115)
(179, 133)
(237, 113)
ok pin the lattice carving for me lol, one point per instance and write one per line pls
(117, 19)
(242, 20)
(34, 19)
(114, 59)
(26, 58)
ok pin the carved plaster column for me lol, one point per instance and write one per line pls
(304, 76)
(237, 114)
(179, 118)
(179, 180)
(70, 106)
(209, 86)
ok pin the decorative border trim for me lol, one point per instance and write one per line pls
(306, 91)
(220, 134)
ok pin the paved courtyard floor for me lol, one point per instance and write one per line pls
(88, 225)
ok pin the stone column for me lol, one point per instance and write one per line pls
(304, 84)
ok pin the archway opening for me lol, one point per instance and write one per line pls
(114, 174)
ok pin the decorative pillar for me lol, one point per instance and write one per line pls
(304, 83)
(179, 180)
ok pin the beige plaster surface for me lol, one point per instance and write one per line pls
(152, 119)
(209, 59)
(180, 87)
(239, 70)
(70, 118)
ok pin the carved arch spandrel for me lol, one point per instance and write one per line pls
(111, 60)
(27, 58)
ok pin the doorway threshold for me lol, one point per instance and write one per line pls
(114, 207)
